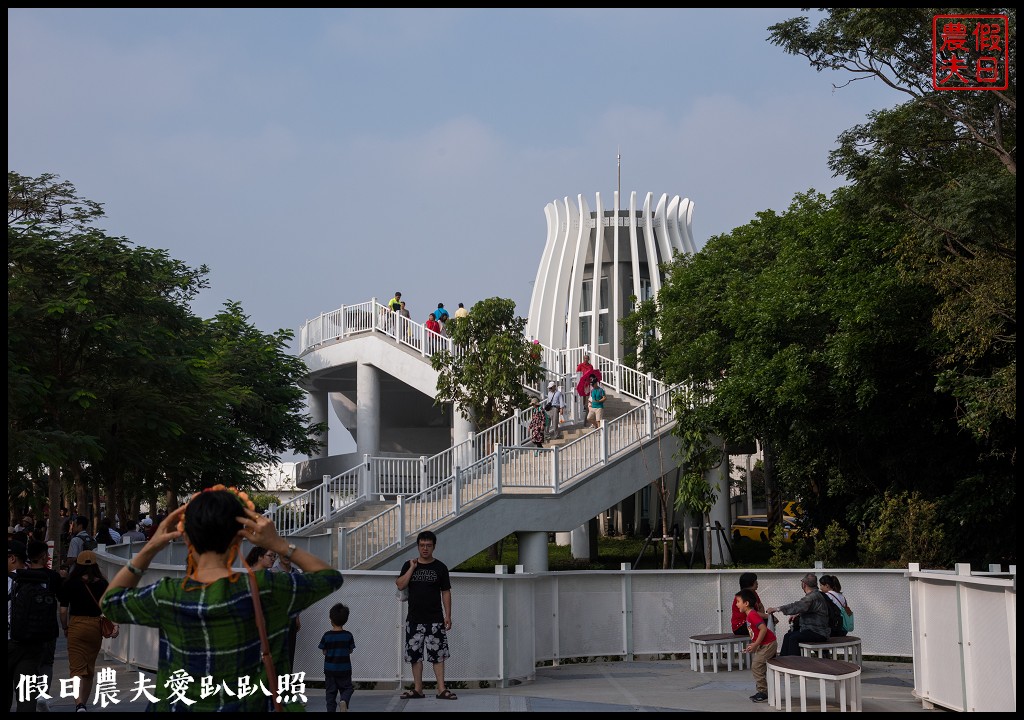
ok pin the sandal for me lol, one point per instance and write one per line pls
(410, 694)
(447, 694)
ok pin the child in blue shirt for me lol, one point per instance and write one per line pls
(338, 644)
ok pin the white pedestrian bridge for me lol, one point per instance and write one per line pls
(488, 485)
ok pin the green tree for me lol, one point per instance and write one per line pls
(694, 495)
(114, 384)
(484, 377)
(944, 164)
(802, 331)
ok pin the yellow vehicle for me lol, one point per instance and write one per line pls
(755, 527)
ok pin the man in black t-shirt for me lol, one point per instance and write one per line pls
(430, 615)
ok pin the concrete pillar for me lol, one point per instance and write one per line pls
(533, 551)
(720, 511)
(563, 538)
(367, 410)
(463, 429)
(318, 407)
(461, 426)
(584, 541)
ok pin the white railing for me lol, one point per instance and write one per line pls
(367, 317)
(542, 471)
(964, 624)
(426, 487)
(557, 364)
(333, 496)
(514, 622)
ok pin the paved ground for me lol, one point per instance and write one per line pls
(657, 686)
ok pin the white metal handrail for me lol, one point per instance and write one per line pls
(543, 470)
(316, 505)
(422, 482)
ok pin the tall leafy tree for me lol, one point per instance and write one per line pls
(945, 164)
(484, 377)
(114, 382)
(805, 333)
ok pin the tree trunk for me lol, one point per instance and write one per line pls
(663, 497)
(707, 545)
(773, 497)
(53, 523)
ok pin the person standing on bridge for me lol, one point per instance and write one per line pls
(597, 395)
(554, 405)
(430, 615)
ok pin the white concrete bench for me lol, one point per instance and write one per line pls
(714, 648)
(848, 646)
(843, 676)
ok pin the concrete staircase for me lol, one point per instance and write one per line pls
(510, 492)
(362, 513)
(614, 406)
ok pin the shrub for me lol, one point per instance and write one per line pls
(908, 529)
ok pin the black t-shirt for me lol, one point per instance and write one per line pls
(428, 581)
(76, 596)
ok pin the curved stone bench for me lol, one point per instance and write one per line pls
(714, 648)
(848, 646)
(843, 676)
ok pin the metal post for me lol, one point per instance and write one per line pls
(326, 492)
(364, 478)
(554, 469)
(401, 520)
(342, 563)
(456, 482)
(497, 468)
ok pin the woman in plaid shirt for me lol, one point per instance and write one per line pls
(209, 656)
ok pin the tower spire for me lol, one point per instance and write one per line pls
(618, 168)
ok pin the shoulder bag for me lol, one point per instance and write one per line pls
(261, 625)
(108, 628)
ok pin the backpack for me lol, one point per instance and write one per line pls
(33, 607)
(835, 615)
(88, 541)
(847, 615)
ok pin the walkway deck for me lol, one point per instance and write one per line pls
(641, 686)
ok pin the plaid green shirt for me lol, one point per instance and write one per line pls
(209, 643)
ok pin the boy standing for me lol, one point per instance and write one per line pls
(748, 581)
(338, 644)
(762, 642)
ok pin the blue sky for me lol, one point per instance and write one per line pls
(313, 158)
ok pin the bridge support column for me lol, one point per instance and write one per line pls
(584, 541)
(319, 405)
(367, 410)
(720, 510)
(563, 538)
(461, 426)
(533, 551)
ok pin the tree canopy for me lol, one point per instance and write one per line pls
(114, 382)
(807, 335)
(944, 164)
(484, 376)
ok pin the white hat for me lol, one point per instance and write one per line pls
(146, 521)
(551, 384)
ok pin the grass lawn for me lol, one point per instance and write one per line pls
(612, 552)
